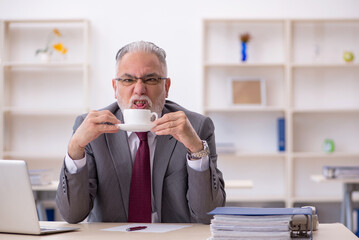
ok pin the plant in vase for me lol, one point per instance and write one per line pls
(244, 38)
(44, 54)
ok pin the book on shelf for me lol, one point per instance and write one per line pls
(260, 223)
(281, 134)
(340, 172)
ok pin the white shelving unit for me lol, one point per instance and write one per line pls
(39, 100)
(307, 82)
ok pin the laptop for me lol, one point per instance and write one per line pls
(17, 205)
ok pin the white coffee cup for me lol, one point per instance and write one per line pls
(139, 116)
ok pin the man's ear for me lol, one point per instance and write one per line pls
(114, 86)
(167, 86)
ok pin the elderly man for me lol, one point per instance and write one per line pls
(179, 180)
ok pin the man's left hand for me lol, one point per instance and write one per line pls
(178, 125)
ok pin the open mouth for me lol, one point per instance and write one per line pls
(140, 104)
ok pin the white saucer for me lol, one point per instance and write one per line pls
(136, 127)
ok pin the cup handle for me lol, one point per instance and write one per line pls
(154, 114)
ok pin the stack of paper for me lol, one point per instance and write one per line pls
(250, 227)
(341, 171)
(254, 223)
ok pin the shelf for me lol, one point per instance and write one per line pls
(33, 155)
(244, 20)
(321, 179)
(254, 199)
(39, 100)
(325, 155)
(244, 65)
(322, 199)
(46, 187)
(326, 110)
(324, 20)
(44, 111)
(244, 109)
(325, 65)
(251, 155)
(307, 82)
(317, 199)
(30, 21)
(45, 65)
(238, 184)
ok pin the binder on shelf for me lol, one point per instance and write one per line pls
(281, 134)
(262, 223)
(330, 172)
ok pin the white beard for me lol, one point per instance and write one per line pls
(156, 107)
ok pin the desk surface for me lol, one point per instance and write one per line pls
(92, 231)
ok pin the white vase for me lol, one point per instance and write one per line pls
(44, 57)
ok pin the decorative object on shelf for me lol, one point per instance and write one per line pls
(44, 54)
(328, 145)
(244, 38)
(348, 56)
(247, 91)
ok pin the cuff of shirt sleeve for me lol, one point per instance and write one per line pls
(73, 166)
(199, 165)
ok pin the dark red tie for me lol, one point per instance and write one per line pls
(139, 207)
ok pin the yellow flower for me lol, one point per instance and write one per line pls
(60, 48)
(64, 51)
(56, 32)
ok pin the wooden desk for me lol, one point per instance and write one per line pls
(92, 231)
(349, 186)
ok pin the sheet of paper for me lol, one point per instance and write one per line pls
(151, 228)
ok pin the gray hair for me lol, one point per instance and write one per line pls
(142, 46)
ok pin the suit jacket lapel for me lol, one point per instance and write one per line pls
(121, 157)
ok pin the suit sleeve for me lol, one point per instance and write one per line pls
(205, 189)
(76, 192)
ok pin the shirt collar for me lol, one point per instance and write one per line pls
(149, 134)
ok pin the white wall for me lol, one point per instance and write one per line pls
(173, 25)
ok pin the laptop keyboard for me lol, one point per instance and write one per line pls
(47, 228)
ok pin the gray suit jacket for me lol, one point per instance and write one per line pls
(100, 190)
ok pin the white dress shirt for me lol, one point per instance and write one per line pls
(73, 166)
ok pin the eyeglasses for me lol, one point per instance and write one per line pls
(147, 80)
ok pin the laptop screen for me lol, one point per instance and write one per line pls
(17, 209)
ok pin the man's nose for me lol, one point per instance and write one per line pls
(140, 87)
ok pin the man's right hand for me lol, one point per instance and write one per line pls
(92, 127)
